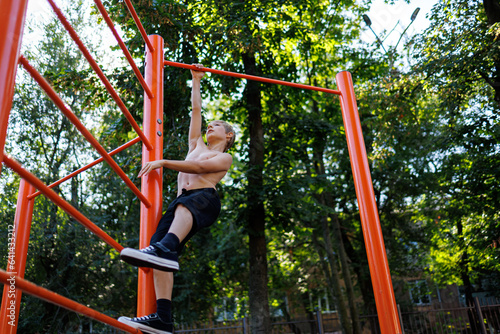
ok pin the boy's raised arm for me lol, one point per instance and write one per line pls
(196, 120)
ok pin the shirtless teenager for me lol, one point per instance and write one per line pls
(197, 206)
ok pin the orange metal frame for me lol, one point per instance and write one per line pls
(12, 19)
(19, 235)
(370, 222)
(152, 184)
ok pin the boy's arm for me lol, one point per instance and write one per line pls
(219, 163)
(196, 120)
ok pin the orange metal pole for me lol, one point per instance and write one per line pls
(12, 17)
(122, 45)
(253, 77)
(68, 208)
(138, 23)
(370, 222)
(16, 282)
(18, 241)
(152, 185)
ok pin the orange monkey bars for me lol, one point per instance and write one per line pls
(14, 282)
(370, 221)
(12, 21)
(253, 77)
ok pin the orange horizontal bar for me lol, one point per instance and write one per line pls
(122, 45)
(86, 133)
(253, 77)
(101, 75)
(84, 168)
(68, 208)
(54, 298)
(139, 25)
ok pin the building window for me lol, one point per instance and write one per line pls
(419, 292)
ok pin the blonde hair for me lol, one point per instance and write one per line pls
(229, 128)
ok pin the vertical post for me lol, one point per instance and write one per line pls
(319, 319)
(480, 317)
(401, 320)
(152, 185)
(18, 240)
(245, 325)
(12, 17)
(370, 222)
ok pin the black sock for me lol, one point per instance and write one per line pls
(164, 310)
(170, 241)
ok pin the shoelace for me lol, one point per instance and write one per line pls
(147, 249)
(146, 317)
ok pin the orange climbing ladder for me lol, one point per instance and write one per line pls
(12, 18)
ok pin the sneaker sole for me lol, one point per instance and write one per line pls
(139, 259)
(143, 328)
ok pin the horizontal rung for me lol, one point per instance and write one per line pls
(54, 298)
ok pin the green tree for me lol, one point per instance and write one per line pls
(459, 59)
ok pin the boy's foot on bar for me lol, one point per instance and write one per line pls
(155, 256)
(149, 324)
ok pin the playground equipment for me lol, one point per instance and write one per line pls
(12, 19)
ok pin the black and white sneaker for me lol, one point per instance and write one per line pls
(155, 256)
(149, 324)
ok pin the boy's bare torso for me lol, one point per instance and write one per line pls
(196, 181)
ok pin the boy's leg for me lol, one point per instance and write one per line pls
(182, 223)
(161, 322)
(164, 282)
(181, 226)
(163, 254)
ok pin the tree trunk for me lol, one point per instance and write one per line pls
(333, 284)
(327, 199)
(464, 275)
(346, 272)
(341, 303)
(258, 293)
(362, 273)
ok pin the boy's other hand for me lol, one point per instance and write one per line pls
(148, 167)
(198, 74)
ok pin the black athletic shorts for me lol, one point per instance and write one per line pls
(204, 205)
